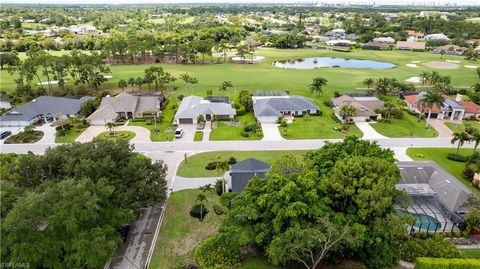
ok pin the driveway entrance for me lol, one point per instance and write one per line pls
(271, 132)
(368, 131)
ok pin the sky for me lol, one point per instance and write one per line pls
(396, 2)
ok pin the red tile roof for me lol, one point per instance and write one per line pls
(412, 99)
(470, 107)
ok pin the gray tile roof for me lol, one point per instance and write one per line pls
(270, 93)
(45, 105)
(193, 106)
(250, 165)
(272, 106)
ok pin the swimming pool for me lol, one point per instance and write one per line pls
(319, 62)
(426, 223)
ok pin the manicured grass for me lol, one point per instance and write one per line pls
(71, 136)
(226, 132)
(472, 253)
(315, 127)
(126, 135)
(167, 116)
(459, 127)
(195, 165)
(409, 126)
(265, 76)
(198, 136)
(439, 155)
(180, 233)
(24, 138)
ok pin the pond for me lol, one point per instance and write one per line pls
(319, 62)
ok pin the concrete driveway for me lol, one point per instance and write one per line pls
(271, 132)
(188, 132)
(441, 128)
(368, 131)
(48, 133)
(14, 130)
(141, 134)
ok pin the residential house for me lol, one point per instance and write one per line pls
(193, 107)
(44, 107)
(387, 40)
(340, 43)
(449, 110)
(450, 50)
(5, 101)
(242, 172)
(365, 105)
(414, 34)
(375, 45)
(127, 106)
(269, 105)
(434, 194)
(82, 30)
(440, 36)
(410, 45)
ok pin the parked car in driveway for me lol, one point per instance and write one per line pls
(178, 133)
(5, 134)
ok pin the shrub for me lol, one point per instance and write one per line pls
(328, 103)
(219, 186)
(218, 252)
(244, 134)
(428, 246)
(336, 94)
(218, 209)
(211, 166)
(199, 211)
(232, 160)
(252, 127)
(457, 157)
(241, 110)
(227, 199)
(283, 123)
(435, 263)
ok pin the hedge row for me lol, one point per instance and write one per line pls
(440, 263)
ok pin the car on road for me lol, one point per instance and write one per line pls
(5, 134)
(178, 133)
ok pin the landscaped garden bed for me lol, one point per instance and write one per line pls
(198, 136)
(160, 129)
(67, 131)
(25, 137)
(245, 129)
(126, 135)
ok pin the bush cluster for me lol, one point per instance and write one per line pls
(435, 263)
(434, 246)
(218, 252)
(457, 157)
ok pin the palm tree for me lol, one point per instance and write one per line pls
(225, 85)
(110, 126)
(188, 80)
(461, 137)
(139, 82)
(200, 199)
(425, 77)
(317, 85)
(476, 86)
(131, 82)
(368, 82)
(348, 111)
(122, 84)
(428, 100)
(475, 137)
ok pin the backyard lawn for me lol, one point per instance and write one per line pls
(439, 155)
(459, 127)
(167, 117)
(409, 126)
(126, 135)
(226, 132)
(180, 233)
(71, 136)
(315, 127)
(195, 165)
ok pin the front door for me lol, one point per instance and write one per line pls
(208, 117)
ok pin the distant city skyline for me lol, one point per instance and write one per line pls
(352, 2)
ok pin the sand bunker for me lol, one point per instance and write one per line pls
(441, 65)
(51, 82)
(415, 62)
(255, 59)
(412, 65)
(471, 66)
(107, 77)
(414, 80)
(451, 61)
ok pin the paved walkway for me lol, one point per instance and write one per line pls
(442, 129)
(368, 131)
(271, 132)
(142, 135)
(48, 133)
(207, 131)
(401, 154)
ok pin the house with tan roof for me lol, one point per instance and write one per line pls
(366, 106)
(450, 50)
(127, 106)
(410, 45)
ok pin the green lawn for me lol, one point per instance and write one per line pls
(409, 126)
(198, 136)
(71, 136)
(226, 132)
(439, 155)
(459, 127)
(472, 253)
(167, 116)
(180, 233)
(126, 135)
(195, 165)
(315, 127)
(265, 76)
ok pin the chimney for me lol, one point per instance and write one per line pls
(458, 98)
